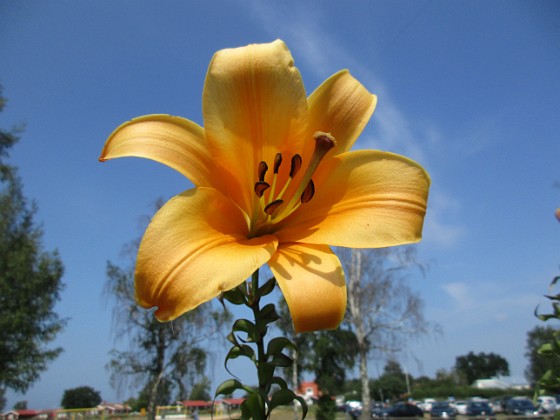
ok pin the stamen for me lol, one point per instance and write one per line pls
(296, 165)
(260, 188)
(277, 162)
(308, 193)
(323, 143)
(271, 207)
(263, 167)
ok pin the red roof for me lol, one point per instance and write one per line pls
(23, 413)
(233, 401)
(197, 403)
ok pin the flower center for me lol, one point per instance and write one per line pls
(273, 205)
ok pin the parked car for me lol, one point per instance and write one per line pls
(442, 409)
(546, 404)
(377, 409)
(497, 404)
(479, 408)
(460, 406)
(426, 405)
(353, 408)
(521, 406)
(400, 409)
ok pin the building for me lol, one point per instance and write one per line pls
(501, 382)
(309, 391)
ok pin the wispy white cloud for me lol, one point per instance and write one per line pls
(437, 231)
(485, 302)
(460, 294)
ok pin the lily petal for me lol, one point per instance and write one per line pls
(190, 254)
(363, 199)
(341, 106)
(312, 282)
(254, 106)
(173, 141)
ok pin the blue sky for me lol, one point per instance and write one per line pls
(470, 89)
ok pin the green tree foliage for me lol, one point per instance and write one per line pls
(329, 355)
(480, 366)
(326, 409)
(80, 397)
(332, 356)
(20, 405)
(391, 385)
(30, 282)
(164, 359)
(539, 363)
(2, 400)
(201, 390)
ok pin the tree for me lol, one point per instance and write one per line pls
(2, 399)
(30, 282)
(480, 366)
(163, 357)
(20, 405)
(201, 390)
(539, 364)
(329, 355)
(80, 397)
(382, 309)
(392, 384)
(301, 348)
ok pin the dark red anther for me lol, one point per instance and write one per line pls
(271, 207)
(260, 188)
(263, 167)
(308, 193)
(296, 165)
(277, 162)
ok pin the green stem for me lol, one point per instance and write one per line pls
(264, 387)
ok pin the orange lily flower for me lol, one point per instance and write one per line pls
(275, 183)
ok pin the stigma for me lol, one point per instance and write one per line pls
(274, 206)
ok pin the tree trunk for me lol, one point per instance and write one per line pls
(354, 290)
(151, 412)
(159, 371)
(295, 383)
(364, 376)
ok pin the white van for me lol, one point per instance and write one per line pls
(546, 404)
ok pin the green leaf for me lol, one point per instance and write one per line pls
(281, 360)
(268, 314)
(232, 339)
(268, 287)
(246, 326)
(279, 381)
(234, 296)
(265, 373)
(228, 387)
(253, 407)
(238, 351)
(278, 344)
(304, 407)
(545, 349)
(281, 397)
(554, 281)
